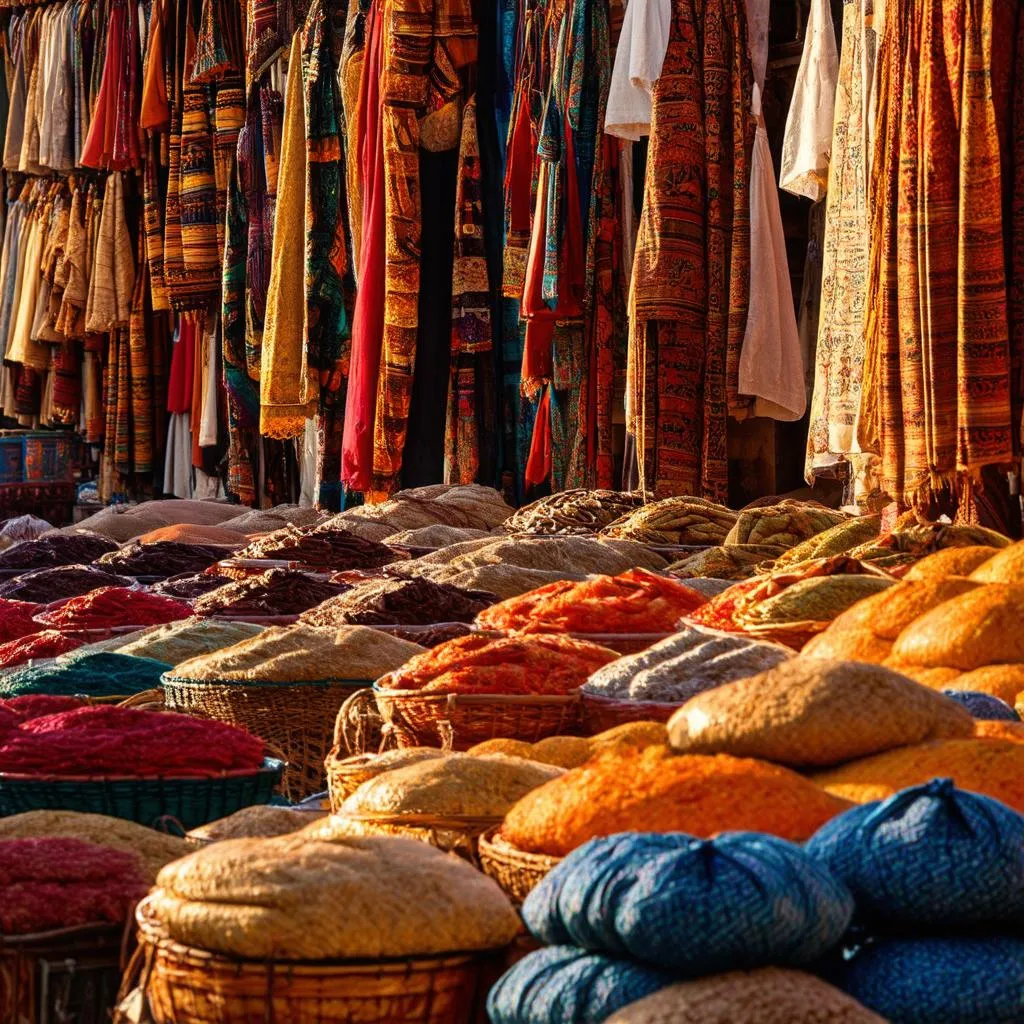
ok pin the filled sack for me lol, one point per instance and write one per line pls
(930, 855)
(689, 905)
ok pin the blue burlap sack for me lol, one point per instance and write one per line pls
(983, 705)
(562, 985)
(931, 854)
(963, 980)
(692, 906)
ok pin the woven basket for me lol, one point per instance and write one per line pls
(294, 718)
(516, 871)
(346, 774)
(601, 713)
(185, 985)
(70, 973)
(460, 721)
(189, 801)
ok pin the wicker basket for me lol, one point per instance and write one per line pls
(68, 974)
(293, 718)
(601, 713)
(516, 871)
(185, 985)
(189, 801)
(460, 721)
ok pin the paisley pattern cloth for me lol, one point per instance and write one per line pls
(690, 282)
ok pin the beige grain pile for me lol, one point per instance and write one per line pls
(576, 511)
(176, 642)
(260, 821)
(678, 520)
(738, 562)
(437, 535)
(784, 525)
(126, 522)
(266, 520)
(460, 785)
(769, 995)
(294, 898)
(154, 849)
(812, 711)
(572, 751)
(300, 653)
(354, 771)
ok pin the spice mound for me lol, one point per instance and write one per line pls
(165, 558)
(189, 638)
(324, 546)
(189, 587)
(681, 520)
(653, 791)
(432, 636)
(56, 549)
(274, 592)
(46, 644)
(94, 675)
(153, 849)
(303, 654)
(107, 740)
(16, 619)
(685, 664)
(409, 602)
(46, 585)
(52, 883)
(251, 822)
(635, 602)
(575, 511)
(115, 606)
(543, 664)
(292, 898)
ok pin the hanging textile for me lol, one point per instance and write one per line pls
(938, 285)
(691, 271)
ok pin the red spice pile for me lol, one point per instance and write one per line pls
(636, 601)
(116, 606)
(16, 619)
(60, 883)
(47, 644)
(107, 740)
(542, 664)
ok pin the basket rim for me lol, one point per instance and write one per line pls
(151, 933)
(271, 765)
(597, 698)
(499, 848)
(475, 698)
(167, 677)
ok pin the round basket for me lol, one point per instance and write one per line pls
(623, 643)
(144, 799)
(516, 871)
(295, 719)
(346, 774)
(602, 713)
(185, 985)
(460, 721)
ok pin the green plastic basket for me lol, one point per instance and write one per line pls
(190, 801)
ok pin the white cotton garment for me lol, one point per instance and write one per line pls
(638, 60)
(807, 144)
(178, 460)
(771, 361)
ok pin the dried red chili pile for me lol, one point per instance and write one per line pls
(16, 619)
(107, 740)
(52, 883)
(115, 606)
(546, 664)
(46, 644)
(35, 705)
(636, 601)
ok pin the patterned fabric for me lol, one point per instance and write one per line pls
(931, 855)
(962, 980)
(983, 706)
(937, 290)
(563, 985)
(718, 910)
(471, 314)
(691, 271)
(228, 118)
